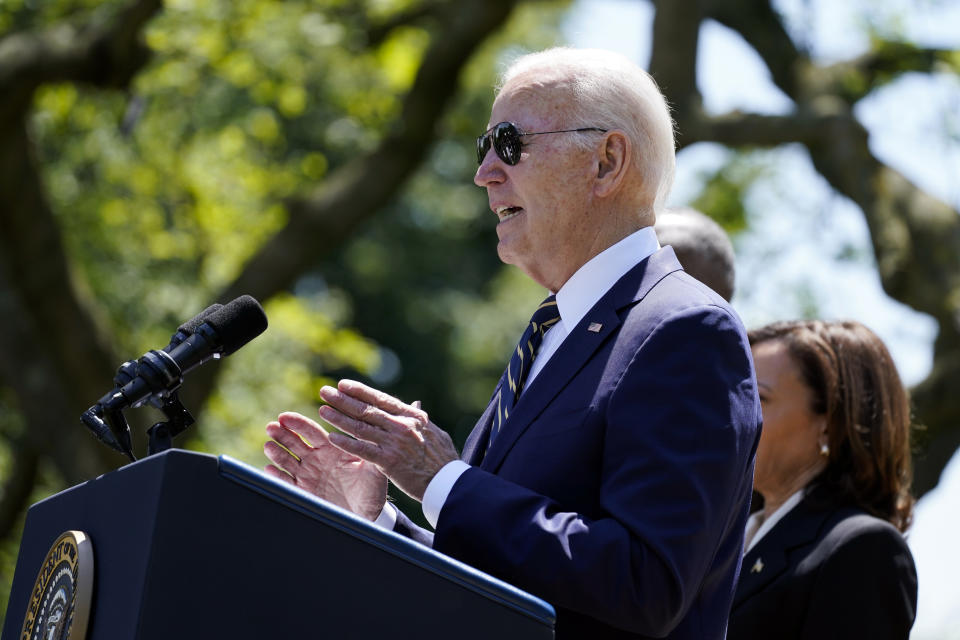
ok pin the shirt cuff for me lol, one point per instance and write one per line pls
(387, 518)
(439, 488)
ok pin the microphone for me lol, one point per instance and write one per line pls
(217, 331)
(221, 333)
(128, 370)
(189, 327)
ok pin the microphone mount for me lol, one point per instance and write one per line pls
(111, 426)
(161, 434)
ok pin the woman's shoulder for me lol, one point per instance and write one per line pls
(850, 530)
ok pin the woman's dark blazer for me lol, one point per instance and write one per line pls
(826, 572)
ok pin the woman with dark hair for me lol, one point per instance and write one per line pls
(825, 556)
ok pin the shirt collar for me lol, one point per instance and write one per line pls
(757, 528)
(591, 281)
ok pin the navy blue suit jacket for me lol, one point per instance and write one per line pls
(618, 488)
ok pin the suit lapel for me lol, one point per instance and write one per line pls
(760, 566)
(476, 444)
(568, 359)
(576, 350)
(770, 557)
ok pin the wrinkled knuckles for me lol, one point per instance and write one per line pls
(369, 413)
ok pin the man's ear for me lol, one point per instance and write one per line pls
(613, 161)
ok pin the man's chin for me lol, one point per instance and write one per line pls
(504, 253)
(508, 254)
(521, 261)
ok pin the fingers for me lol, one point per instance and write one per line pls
(304, 427)
(297, 433)
(283, 461)
(279, 474)
(370, 413)
(289, 440)
(363, 394)
(357, 428)
(397, 438)
(360, 448)
(294, 438)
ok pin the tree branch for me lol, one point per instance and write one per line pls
(801, 79)
(916, 241)
(355, 192)
(106, 55)
(854, 79)
(915, 237)
(377, 32)
(321, 221)
(902, 218)
(939, 413)
(43, 391)
(54, 355)
(759, 24)
(738, 129)
(673, 59)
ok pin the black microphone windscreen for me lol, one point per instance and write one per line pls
(238, 322)
(190, 326)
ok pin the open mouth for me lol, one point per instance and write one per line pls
(506, 213)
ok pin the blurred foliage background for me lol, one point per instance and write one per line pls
(158, 156)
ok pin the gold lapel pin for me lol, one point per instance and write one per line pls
(757, 566)
(595, 327)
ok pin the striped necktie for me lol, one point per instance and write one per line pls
(546, 315)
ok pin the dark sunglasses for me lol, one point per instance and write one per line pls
(505, 138)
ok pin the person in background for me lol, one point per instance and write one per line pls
(611, 473)
(825, 557)
(702, 246)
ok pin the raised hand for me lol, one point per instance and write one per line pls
(398, 437)
(308, 460)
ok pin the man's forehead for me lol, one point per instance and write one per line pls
(537, 86)
(530, 100)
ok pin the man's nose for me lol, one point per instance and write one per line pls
(490, 170)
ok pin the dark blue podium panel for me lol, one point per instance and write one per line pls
(189, 546)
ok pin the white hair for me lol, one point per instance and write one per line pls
(611, 92)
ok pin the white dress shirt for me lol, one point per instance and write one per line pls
(574, 299)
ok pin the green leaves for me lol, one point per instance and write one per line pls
(164, 194)
(724, 190)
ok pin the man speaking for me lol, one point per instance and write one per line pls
(611, 472)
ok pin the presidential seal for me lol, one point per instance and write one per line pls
(60, 601)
